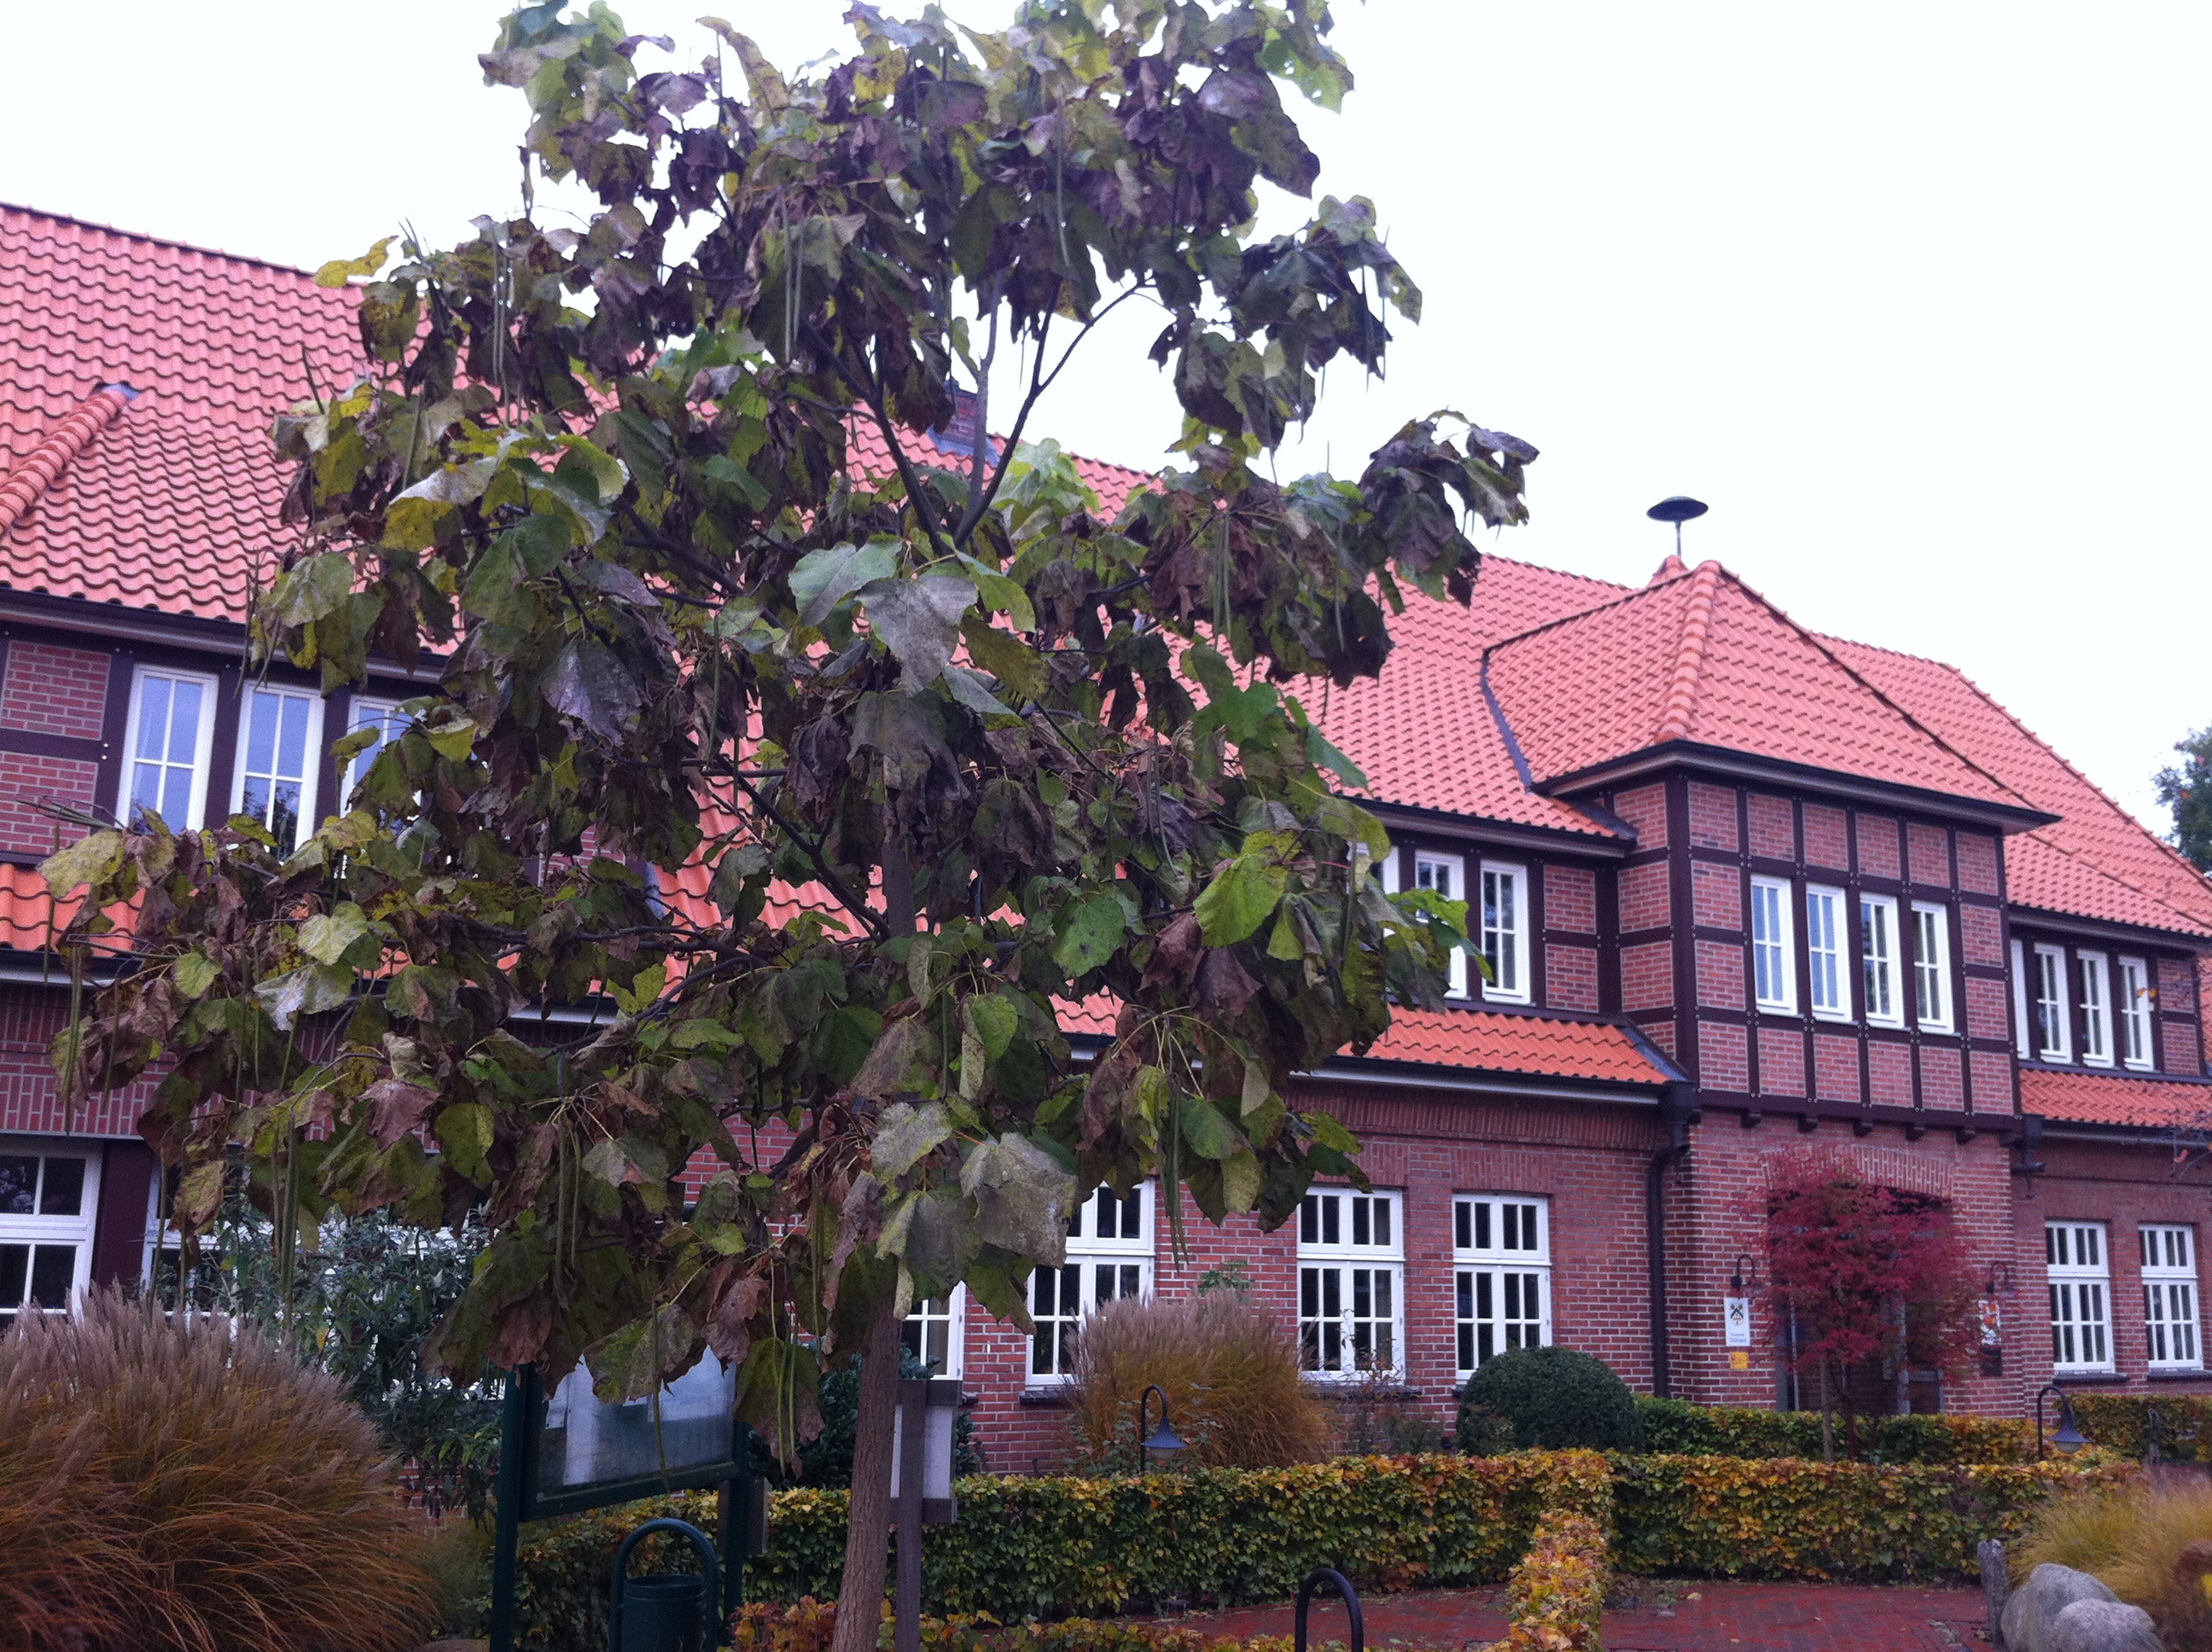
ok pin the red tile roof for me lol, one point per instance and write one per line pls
(1491, 1042)
(2110, 1098)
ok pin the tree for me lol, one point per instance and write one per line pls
(836, 781)
(1858, 1272)
(2186, 789)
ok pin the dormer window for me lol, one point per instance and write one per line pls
(1504, 935)
(1445, 876)
(2054, 1036)
(1878, 960)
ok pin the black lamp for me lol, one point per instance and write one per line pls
(1161, 1438)
(2068, 1435)
(1735, 1280)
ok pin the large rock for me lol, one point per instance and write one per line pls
(2102, 1626)
(2035, 1606)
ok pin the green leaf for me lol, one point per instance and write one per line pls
(1006, 656)
(919, 621)
(1022, 1195)
(464, 1132)
(327, 938)
(195, 972)
(636, 1360)
(319, 586)
(1238, 900)
(993, 1019)
(825, 578)
(304, 992)
(894, 1052)
(591, 684)
(904, 1134)
(1209, 1134)
(91, 859)
(338, 272)
(451, 734)
(1087, 935)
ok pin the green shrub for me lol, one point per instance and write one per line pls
(1678, 1428)
(1554, 1400)
(2122, 1423)
(1788, 1517)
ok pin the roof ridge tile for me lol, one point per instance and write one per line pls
(20, 487)
(1681, 704)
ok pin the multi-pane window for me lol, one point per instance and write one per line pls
(1350, 1282)
(172, 722)
(1504, 933)
(1931, 966)
(2169, 1282)
(2021, 1037)
(932, 1332)
(1109, 1256)
(1501, 1275)
(2136, 1003)
(2081, 1296)
(49, 1195)
(1446, 874)
(1878, 959)
(1774, 973)
(2096, 1009)
(2054, 1038)
(382, 719)
(279, 749)
(1829, 974)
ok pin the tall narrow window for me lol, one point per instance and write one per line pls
(933, 1332)
(49, 1195)
(1501, 1275)
(171, 723)
(1931, 966)
(280, 749)
(1445, 874)
(382, 719)
(1351, 1283)
(2080, 1309)
(1878, 959)
(1824, 953)
(2096, 1010)
(1504, 934)
(2054, 1035)
(1774, 958)
(2169, 1282)
(2021, 1038)
(1109, 1256)
(2136, 1005)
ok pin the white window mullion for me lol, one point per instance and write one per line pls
(280, 756)
(1878, 983)
(2054, 1030)
(1501, 1275)
(2096, 1009)
(1773, 955)
(1503, 933)
(2136, 1004)
(1825, 955)
(2170, 1312)
(1109, 1256)
(1446, 876)
(2080, 1275)
(935, 1330)
(49, 1201)
(2021, 1022)
(170, 731)
(1352, 1283)
(1931, 965)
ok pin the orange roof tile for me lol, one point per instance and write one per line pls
(1491, 1042)
(2110, 1098)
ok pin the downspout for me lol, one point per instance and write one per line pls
(1675, 1109)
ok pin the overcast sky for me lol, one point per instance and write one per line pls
(1913, 295)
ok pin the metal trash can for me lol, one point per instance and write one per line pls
(664, 1612)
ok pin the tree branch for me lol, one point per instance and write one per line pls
(862, 382)
(837, 885)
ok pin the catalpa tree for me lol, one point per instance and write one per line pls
(834, 781)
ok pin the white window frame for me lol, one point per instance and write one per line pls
(1836, 958)
(2049, 975)
(1097, 1270)
(202, 744)
(2077, 1261)
(311, 760)
(1501, 1276)
(2138, 1005)
(1879, 968)
(2019, 1021)
(950, 1312)
(2095, 981)
(1427, 866)
(1506, 986)
(2172, 1333)
(1773, 945)
(36, 1231)
(1337, 1267)
(1931, 965)
(363, 712)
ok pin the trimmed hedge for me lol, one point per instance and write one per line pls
(1784, 1517)
(2121, 1423)
(1558, 1589)
(1677, 1428)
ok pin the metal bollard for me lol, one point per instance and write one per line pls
(666, 1611)
(1314, 1579)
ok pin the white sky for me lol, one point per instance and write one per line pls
(1912, 295)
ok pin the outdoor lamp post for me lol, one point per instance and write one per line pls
(922, 1488)
(2069, 1437)
(1161, 1438)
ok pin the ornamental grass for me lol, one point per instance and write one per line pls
(1229, 1368)
(176, 1485)
(2152, 1545)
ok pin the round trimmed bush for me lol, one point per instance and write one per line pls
(1549, 1398)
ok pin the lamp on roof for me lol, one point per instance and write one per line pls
(1678, 508)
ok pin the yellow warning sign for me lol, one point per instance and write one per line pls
(1738, 1360)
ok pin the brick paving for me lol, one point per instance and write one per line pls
(1656, 1615)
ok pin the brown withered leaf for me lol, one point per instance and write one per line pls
(397, 1108)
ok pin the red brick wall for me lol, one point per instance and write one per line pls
(27, 781)
(1647, 977)
(1773, 827)
(1720, 975)
(1928, 857)
(1877, 845)
(54, 690)
(1978, 864)
(1716, 896)
(1826, 841)
(1781, 1061)
(1570, 977)
(1643, 896)
(1570, 899)
(1644, 810)
(1713, 816)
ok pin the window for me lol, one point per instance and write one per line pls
(1878, 959)
(2019, 1021)
(1446, 874)
(172, 724)
(1501, 1258)
(1351, 1280)
(2169, 1282)
(932, 1332)
(1110, 1255)
(2080, 1314)
(279, 749)
(1931, 966)
(1504, 936)
(382, 716)
(2096, 1010)
(2054, 1037)
(49, 1195)
(2136, 1003)
(1824, 953)
(1773, 959)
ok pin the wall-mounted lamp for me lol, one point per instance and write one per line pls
(2000, 1282)
(1735, 1280)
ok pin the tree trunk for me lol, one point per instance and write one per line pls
(867, 1538)
(1827, 1417)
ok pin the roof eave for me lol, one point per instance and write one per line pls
(1480, 828)
(1426, 1075)
(190, 631)
(2110, 929)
